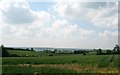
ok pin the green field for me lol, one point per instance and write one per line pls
(66, 63)
(32, 53)
(69, 59)
(29, 53)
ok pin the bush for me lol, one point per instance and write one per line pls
(50, 55)
(36, 63)
(30, 65)
(28, 62)
(5, 53)
(74, 61)
(84, 53)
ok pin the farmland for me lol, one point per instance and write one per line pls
(59, 61)
(30, 53)
(70, 63)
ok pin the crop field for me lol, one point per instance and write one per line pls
(30, 53)
(62, 64)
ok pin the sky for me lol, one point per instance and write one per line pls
(59, 24)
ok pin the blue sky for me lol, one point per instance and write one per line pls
(59, 24)
(38, 6)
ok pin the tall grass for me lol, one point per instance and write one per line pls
(30, 69)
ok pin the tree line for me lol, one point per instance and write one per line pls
(116, 50)
(5, 53)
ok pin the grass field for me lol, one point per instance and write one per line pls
(62, 64)
(29, 53)
(32, 53)
(69, 59)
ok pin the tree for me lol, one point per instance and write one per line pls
(84, 53)
(4, 51)
(32, 49)
(116, 48)
(27, 49)
(55, 51)
(1, 51)
(108, 52)
(99, 52)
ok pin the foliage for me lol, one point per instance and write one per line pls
(99, 52)
(116, 49)
(4, 51)
(108, 52)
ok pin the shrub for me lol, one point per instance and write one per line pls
(84, 53)
(50, 55)
(74, 61)
(28, 62)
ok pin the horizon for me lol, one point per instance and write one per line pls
(55, 47)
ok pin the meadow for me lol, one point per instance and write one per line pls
(65, 63)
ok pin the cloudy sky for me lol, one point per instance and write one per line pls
(59, 24)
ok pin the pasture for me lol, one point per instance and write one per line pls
(62, 64)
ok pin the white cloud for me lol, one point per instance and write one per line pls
(28, 30)
(17, 13)
(61, 33)
(101, 14)
(107, 38)
(105, 17)
(45, 29)
(62, 29)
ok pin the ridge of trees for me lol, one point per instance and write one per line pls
(5, 53)
(19, 49)
(116, 50)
